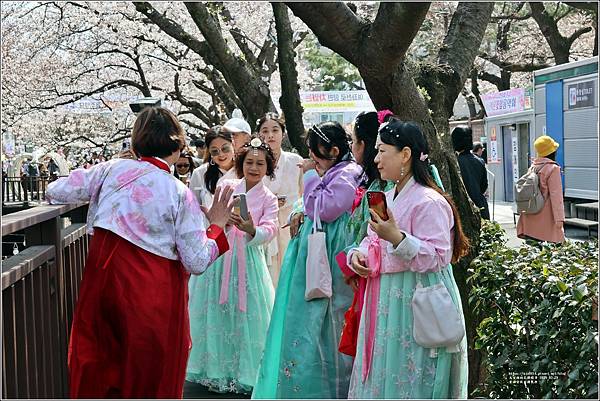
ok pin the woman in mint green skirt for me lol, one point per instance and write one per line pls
(230, 305)
(301, 359)
(422, 236)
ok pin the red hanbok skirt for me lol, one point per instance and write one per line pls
(131, 334)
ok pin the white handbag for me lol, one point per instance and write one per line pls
(318, 270)
(437, 322)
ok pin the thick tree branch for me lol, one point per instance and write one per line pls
(396, 25)
(171, 28)
(468, 25)
(578, 33)
(558, 43)
(239, 37)
(237, 73)
(290, 97)
(336, 26)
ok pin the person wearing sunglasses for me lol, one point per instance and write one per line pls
(218, 165)
(184, 167)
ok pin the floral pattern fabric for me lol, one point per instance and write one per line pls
(144, 205)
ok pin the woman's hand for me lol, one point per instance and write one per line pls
(295, 223)
(359, 264)
(307, 164)
(127, 154)
(220, 210)
(352, 281)
(244, 225)
(386, 229)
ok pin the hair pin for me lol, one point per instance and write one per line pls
(256, 143)
(320, 133)
(423, 157)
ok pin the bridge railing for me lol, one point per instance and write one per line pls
(40, 286)
(25, 189)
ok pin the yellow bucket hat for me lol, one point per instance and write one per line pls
(545, 145)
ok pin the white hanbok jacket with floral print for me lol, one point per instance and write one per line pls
(144, 205)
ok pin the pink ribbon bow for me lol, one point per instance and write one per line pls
(373, 284)
(238, 242)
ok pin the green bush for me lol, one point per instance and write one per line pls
(535, 308)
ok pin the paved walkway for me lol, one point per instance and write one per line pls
(502, 212)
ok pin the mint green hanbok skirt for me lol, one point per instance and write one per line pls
(401, 368)
(301, 358)
(227, 343)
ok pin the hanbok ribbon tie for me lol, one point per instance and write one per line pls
(239, 244)
(372, 291)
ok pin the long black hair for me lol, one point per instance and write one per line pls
(366, 125)
(213, 173)
(401, 134)
(329, 134)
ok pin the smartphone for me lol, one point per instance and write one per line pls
(242, 207)
(378, 203)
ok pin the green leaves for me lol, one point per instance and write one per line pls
(535, 305)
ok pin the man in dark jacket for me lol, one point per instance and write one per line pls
(472, 168)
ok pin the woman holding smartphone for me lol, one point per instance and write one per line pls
(287, 185)
(364, 136)
(301, 359)
(230, 307)
(421, 236)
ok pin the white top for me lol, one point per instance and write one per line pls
(199, 188)
(143, 204)
(288, 182)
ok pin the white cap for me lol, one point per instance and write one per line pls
(237, 123)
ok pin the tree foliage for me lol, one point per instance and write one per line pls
(329, 71)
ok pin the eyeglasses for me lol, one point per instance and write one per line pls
(225, 149)
(186, 165)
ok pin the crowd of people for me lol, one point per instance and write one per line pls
(198, 269)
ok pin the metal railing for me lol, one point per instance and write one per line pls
(40, 286)
(25, 189)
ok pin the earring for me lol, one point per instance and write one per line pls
(402, 171)
(211, 162)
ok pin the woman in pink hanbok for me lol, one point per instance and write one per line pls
(230, 306)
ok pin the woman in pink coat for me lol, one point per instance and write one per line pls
(547, 225)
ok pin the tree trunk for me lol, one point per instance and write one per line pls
(392, 86)
(290, 96)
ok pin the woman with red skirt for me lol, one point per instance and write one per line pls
(130, 334)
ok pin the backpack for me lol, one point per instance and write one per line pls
(528, 195)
